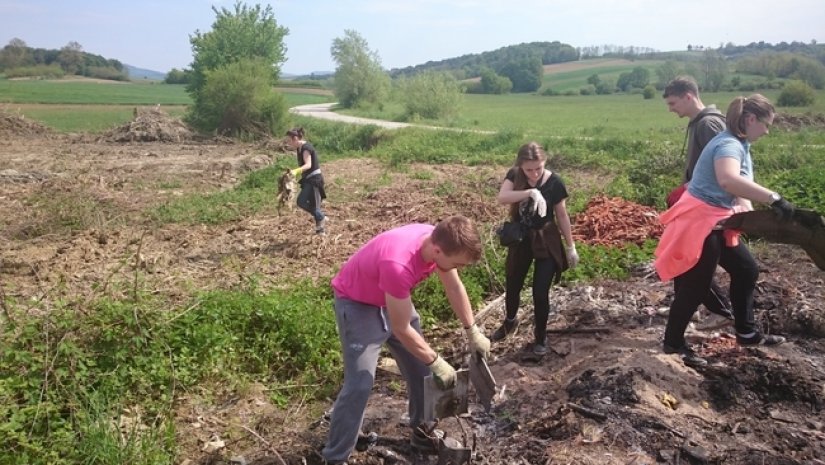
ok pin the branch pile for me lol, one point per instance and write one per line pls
(615, 222)
(17, 125)
(150, 125)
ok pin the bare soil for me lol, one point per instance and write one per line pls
(74, 227)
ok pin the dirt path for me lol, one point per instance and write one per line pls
(324, 111)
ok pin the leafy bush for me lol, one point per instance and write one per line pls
(803, 186)
(649, 92)
(796, 94)
(237, 100)
(43, 71)
(430, 95)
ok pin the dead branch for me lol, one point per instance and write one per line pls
(588, 412)
(266, 443)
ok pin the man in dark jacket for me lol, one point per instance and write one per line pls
(682, 98)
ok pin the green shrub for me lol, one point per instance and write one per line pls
(649, 92)
(430, 95)
(796, 94)
(237, 100)
(42, 71)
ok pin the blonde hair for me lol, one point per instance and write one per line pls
(756, 104)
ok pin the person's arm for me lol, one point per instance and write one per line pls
(506, 194)
(457, 296)
(460, 303)
(400, 312)
(729, 179)
(563, 221)
(307, 160)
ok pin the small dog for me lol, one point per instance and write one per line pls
(286, 190)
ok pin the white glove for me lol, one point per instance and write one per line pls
(539, 204)
(572, 256)
(478, 342)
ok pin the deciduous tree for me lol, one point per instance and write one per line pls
(243, 40)
(359, 78)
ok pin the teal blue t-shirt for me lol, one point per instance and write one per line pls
(704, 185)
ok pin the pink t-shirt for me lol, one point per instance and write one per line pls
(389, 263)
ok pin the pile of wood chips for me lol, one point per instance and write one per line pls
(616, 222)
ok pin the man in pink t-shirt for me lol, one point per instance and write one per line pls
(373, 306)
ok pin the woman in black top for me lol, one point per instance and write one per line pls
(529, 188)
(311, 179)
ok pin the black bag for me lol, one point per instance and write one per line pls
(510, 233)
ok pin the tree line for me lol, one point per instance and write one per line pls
(17, 59)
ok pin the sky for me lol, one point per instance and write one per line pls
(154, 34)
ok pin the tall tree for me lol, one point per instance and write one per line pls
(359, 78)
(71, 57)
(15, 54)
(666, 72)
(715, 70)
(242, 54)
(245, 33)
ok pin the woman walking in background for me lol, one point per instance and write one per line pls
(311, 180)
(692, 244)
(529, 188)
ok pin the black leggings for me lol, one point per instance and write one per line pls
(519, 258)
(692, 287)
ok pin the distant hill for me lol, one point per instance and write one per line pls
(137, 74)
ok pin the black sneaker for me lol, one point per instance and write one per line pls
(320, 226)
(366, 441)
(507, 328)
(539, 349)
(424, 443)
(687, 354)
(759, 339)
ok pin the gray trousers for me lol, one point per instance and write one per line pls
(363, 330)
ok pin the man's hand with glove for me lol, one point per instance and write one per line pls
(297, 171)
(443, 373)
(783, 209)
(572, 256)
(478, 342)
(539, 204)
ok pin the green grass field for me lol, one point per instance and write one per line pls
(573, 80)
(93, 106)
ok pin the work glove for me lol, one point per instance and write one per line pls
(783, 209)
(478, 342)
(443, 373)
(572, 256)
(297, 172)
(539, 204)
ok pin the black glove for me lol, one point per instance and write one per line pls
(783, 209)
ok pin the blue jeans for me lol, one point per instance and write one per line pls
(309, 200)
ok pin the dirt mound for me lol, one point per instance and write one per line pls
(150, 125)
(17, 125)
(797, 122)
(615, 221)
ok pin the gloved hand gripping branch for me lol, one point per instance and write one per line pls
(783, 209)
